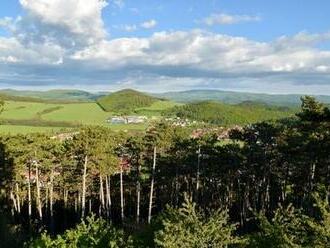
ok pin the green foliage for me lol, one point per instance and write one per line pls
(125, 101)
(291, 228)
(187, 227)
(288, 228)
(224, 114)
(90, 233)
(311, 110)
(321, 226)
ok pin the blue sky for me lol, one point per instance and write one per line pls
(152, 45)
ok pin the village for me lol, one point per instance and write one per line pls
(133, 119)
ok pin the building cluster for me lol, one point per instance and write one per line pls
(177, 121)
(64, 136)
(127, 119)
(222, 133)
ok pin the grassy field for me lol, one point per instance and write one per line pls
(156, 108)
(81, 113)
(10, 129)
(72, 113)
(27, 117)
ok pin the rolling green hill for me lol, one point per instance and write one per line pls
(125, 101)
(231, 97)
(54, 95)
(225, 114)
(25, 113)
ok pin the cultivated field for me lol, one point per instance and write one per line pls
(10, 129)
(27, 117)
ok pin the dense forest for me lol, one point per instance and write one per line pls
(225, 114)
(261, 185)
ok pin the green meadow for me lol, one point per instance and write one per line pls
(13, 129)
(29, 117)
(38, 115)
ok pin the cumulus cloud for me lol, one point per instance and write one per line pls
(208, 53)
(66, 22)
(226, 19)
(149, 24)
(59, 45)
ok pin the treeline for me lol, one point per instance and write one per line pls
(50, 183)
(38, 122)
(225, 114)
(188, 227)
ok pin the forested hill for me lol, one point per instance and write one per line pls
(229, 97)
(125, 101)
(236, 97)
(225, 114)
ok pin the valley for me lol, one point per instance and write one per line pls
(23, 114)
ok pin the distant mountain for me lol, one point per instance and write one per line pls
(125, 101)
(63, 95)
(229, 97)
(236, 97)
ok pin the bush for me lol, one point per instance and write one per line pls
(187, 227)
(291, 228)
(92, 233)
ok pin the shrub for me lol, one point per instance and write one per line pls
(90, 233)
(187, 227)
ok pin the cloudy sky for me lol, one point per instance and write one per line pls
(155, 45)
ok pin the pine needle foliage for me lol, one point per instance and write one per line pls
(188, 228)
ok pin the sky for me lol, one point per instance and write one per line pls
(156, 45)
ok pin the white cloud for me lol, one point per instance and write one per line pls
(12, 51)
(226, 19)
(207, 52)
(5, 22)
(52, 43)
(149, 24)
(133, 27)
(76, 21)
(126, 27)
(118, 3)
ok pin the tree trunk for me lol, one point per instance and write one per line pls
(51, 191)
(198, 168)
(18, 199)
(46, 198)
(14, 202)
(108, 196)
(38, 193)
(312, 176)
(83, 200)
(138, 195)
(121, 192)
(152, 185)
(29, 194)
(101, 195)
(65, 198)
(76, 204)
(176, 185)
